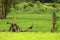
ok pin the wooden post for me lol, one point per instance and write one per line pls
(54, 22)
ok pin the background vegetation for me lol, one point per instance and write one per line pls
(25, 13)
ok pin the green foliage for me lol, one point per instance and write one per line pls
(29, 7)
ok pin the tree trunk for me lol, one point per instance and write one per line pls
(54, 22)
(4, 6)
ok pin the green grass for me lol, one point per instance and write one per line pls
(41, 22)
(29, 36)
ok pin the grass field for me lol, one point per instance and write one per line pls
(41, 22)
(42, 25)
(29, 36)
